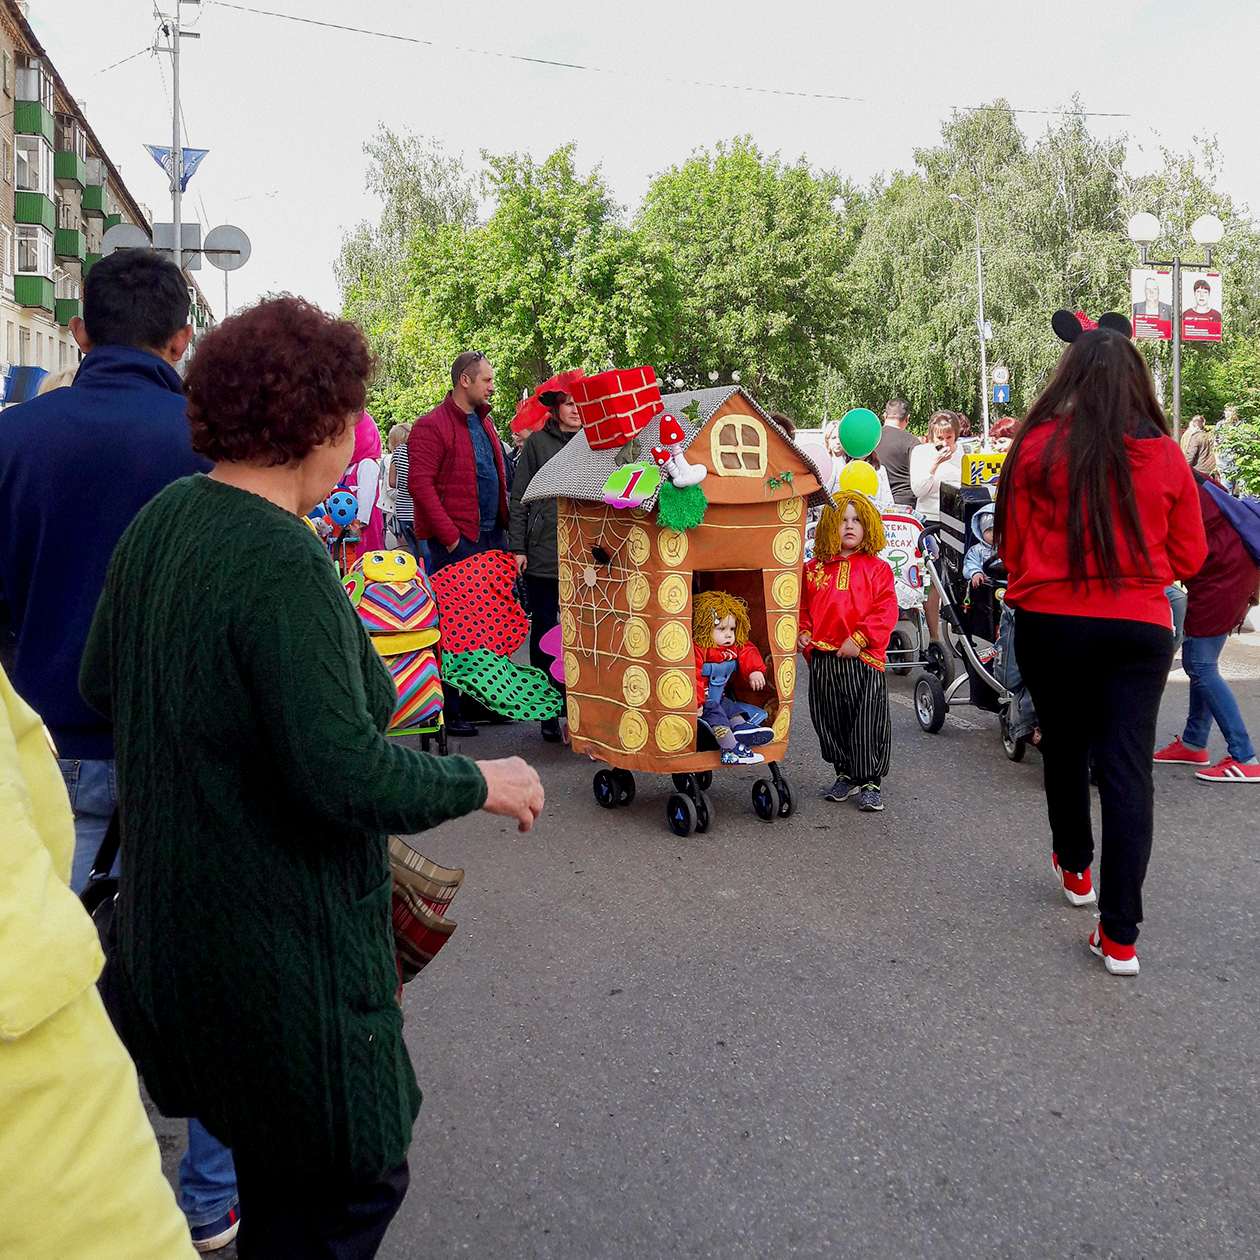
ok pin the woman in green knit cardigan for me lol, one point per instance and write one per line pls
(255, 963)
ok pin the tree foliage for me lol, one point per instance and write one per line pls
(822, 294)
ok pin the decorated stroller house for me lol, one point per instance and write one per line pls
(631, 564)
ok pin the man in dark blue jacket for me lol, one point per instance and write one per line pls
(76, 465)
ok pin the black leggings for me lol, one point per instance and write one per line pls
(1097, 685)
(544, 615)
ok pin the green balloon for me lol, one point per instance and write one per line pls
(860, 432)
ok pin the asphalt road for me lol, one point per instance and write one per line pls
(839, 1035)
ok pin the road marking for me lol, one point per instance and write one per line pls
(961, 723)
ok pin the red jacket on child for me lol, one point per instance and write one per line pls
(850, 599)
(750, 662)
(1034, 538)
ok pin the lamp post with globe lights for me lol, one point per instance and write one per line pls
(1144, 230)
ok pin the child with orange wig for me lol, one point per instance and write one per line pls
(848, 611)
(720, 632)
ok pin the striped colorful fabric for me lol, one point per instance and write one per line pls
(423, 891)
(391, 607)
(419, 682)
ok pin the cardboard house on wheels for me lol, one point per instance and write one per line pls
(627, 581)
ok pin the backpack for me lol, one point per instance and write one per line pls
(1242, 514)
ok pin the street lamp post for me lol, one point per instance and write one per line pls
(1207, 230)
(984, 363)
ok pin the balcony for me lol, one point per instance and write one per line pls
(70, 243)
(95, 202)
(32, 118)
(90, 261)
(34, 291)
(33, 207)
(68, 309)
(69, 170)
(111, 220)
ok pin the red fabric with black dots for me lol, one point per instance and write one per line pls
(479, 608)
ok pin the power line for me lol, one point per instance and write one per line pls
(573, 65)
(124, 61)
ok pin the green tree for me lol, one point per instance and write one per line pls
(758, 250)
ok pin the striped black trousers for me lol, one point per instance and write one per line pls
(848, 705)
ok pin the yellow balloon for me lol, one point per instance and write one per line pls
(861, 477)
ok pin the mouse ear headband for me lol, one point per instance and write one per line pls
(1069, 325)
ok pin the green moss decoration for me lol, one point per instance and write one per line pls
(680, 510)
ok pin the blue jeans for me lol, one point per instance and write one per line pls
(93, 795)
(1210, 697)
(1177, 599)
(417, 546)
(207, 1178)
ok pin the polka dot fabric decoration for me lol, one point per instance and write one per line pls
(515, 691)
(478, 607)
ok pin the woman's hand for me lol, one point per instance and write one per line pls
(849, 648)
(513, 790)
(520, 564)
(757, 680)
(942, 457)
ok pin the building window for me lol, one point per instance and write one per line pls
(67, 215)
(24, 346)
(4, 75)
(738, 447)
(6, 253)
(39, 349)
(34, 83)
(8, 161)
(8, 342)
(34, 250)
(61, 356)
(34, 170)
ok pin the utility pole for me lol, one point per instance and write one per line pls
(984, 358)
(171, 29)
(1176, 340)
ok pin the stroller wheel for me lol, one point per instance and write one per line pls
(625, 786)
(704, 811)
(704, 780)
(900, 648)
(765, 799)
(680, 811)
(941, 662)
(930, 705)
(787, 798)
(605, 789)
(1013, 747)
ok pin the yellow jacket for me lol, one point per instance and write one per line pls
(80, 1173)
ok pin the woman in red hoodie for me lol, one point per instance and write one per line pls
(1097, 512)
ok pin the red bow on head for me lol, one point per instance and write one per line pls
(1086, 322)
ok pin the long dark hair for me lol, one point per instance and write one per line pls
(1103, 390)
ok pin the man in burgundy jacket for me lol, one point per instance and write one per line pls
(457, 481)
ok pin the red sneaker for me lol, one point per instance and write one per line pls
(1227, 770)
(1120, 960)
(1078, 889)
(1177, 754)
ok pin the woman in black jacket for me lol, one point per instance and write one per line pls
(532, 529)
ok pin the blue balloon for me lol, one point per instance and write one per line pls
(342, 507)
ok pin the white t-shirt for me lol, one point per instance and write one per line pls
(926, 483)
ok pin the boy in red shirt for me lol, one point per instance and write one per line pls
(848, 611)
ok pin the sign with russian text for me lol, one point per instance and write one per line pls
(1151, 294)
(901, 549)
(1201, 306)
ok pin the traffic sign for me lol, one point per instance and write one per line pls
(1001, 375)
(1001, 393)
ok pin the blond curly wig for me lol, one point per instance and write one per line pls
(827, 533)
(710, 607)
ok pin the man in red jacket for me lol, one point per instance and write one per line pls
(457, 481)
(1218, 598)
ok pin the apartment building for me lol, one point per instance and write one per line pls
(59, 193)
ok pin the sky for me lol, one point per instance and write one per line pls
(284, 108)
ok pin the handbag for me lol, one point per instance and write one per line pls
(101, 891)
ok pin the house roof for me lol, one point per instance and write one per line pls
(577, 472)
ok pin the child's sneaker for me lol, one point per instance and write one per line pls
(741, 755)
(1078, 889)
(1227, 770)
(841, 790)
(1177, 754)
(753, 736)
(869, 801)
(1120, 960)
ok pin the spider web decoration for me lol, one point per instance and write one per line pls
(608, 596)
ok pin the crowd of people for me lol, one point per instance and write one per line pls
(216, 705)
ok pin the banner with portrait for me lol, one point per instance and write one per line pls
(1151, 295)
(1201, 305)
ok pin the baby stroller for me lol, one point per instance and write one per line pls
(392, 595)
(910, 646)
(972, 615)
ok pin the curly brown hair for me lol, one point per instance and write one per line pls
(710, 607)
(270, 384)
